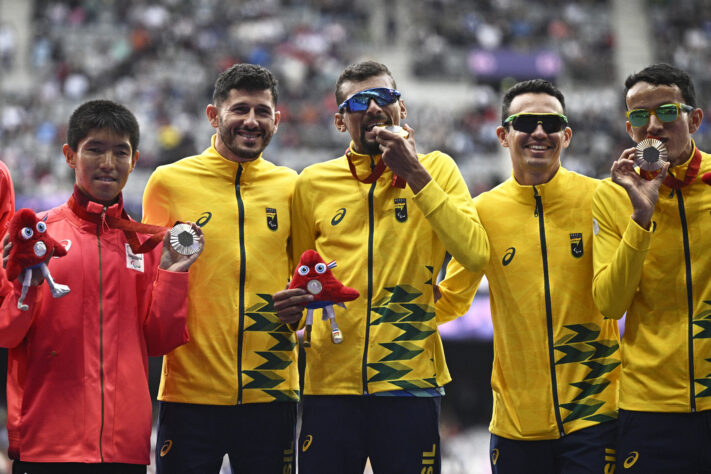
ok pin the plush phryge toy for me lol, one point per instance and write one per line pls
(31, 245)
(314, 275)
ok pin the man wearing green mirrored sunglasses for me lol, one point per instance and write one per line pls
(652, 264)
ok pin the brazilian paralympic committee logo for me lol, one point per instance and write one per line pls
(340, 214)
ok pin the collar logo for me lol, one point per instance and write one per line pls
(401, 209)
(204, 218)
(508, 256)
(272, 221)
(576, 244)
(340, 214)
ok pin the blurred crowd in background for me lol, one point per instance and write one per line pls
(452, 60)
(160, 58)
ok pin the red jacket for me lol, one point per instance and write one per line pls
(77, 386)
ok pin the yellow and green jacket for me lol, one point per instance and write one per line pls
(389, 245)
(556, 358)
(239, 351)
(661, 278)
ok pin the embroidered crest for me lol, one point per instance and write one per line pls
(272, 221)
(576, 245)
(401, 209)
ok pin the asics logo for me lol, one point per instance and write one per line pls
(508, 256)
(307, 443)
(631, 459)
(166, 447)
(340, 214)
(204, 218)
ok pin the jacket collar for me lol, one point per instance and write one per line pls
(224, 167)
(93, 207)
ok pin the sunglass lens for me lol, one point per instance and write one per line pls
(667, 113)
(529, 123)
(638, 117)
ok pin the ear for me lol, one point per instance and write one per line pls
(502, 135)
(696, 117)
(213, 115)
(277, 119)
(628, 127)
(339, 122)
(134, 160)
(403, 110)
(567, 135)
(69, 155)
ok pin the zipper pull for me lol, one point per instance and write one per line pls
(539, 204)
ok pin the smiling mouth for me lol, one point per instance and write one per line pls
(537, 147)
(106, 179)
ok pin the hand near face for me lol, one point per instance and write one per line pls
(400, 155)
(173, 261)
(643, 193)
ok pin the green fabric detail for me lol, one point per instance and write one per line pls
(262, 379)
(274, 360)
(401, 351)
(390, 371)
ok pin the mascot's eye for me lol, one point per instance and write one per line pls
(41, 227)
(303, 270)
(320, 268)
(26, 233)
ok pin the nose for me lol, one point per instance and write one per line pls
(538, 131)
(251, 118)
(373, 106)
(107, 160)
(654, 124)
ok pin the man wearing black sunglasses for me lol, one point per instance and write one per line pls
(387, 214)
(554, 378)
(650, 244)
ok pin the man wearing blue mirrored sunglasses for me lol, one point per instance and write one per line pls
(388, 215)
(652, 264)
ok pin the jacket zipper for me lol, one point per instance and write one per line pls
(371, 232)
(242, 277)
(549, 310)
(689, 298)
(101, 333)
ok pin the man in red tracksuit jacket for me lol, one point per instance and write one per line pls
(78, 398)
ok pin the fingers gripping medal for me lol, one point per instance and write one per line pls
(650, 154)
(184, 240)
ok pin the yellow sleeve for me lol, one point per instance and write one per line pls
(303, 234)
(457, 292)
(156, 201)
(447, 206)
(618, 254)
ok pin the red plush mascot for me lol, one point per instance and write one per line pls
(31, 246)
(314, 275)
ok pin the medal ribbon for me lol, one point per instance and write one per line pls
(123, 223)
(398, 181)
(673, 182)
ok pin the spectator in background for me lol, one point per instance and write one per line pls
(77, 392)
(233, 388)
(388, 215)
(554, 378)
(651, 238)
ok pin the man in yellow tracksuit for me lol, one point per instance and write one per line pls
(377, 394)
(233, 389)
(650, 237)
(556, 358)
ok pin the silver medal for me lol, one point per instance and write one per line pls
(650, 154)
(184, 240)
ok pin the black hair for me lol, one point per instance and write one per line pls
(102, 114)
(662, 74)
(535, 86)
(359, 72)
(250, 77)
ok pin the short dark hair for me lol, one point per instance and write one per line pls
(102, 114)
(359, 72)
(251, 77)
(662, 74)
(534, 86)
